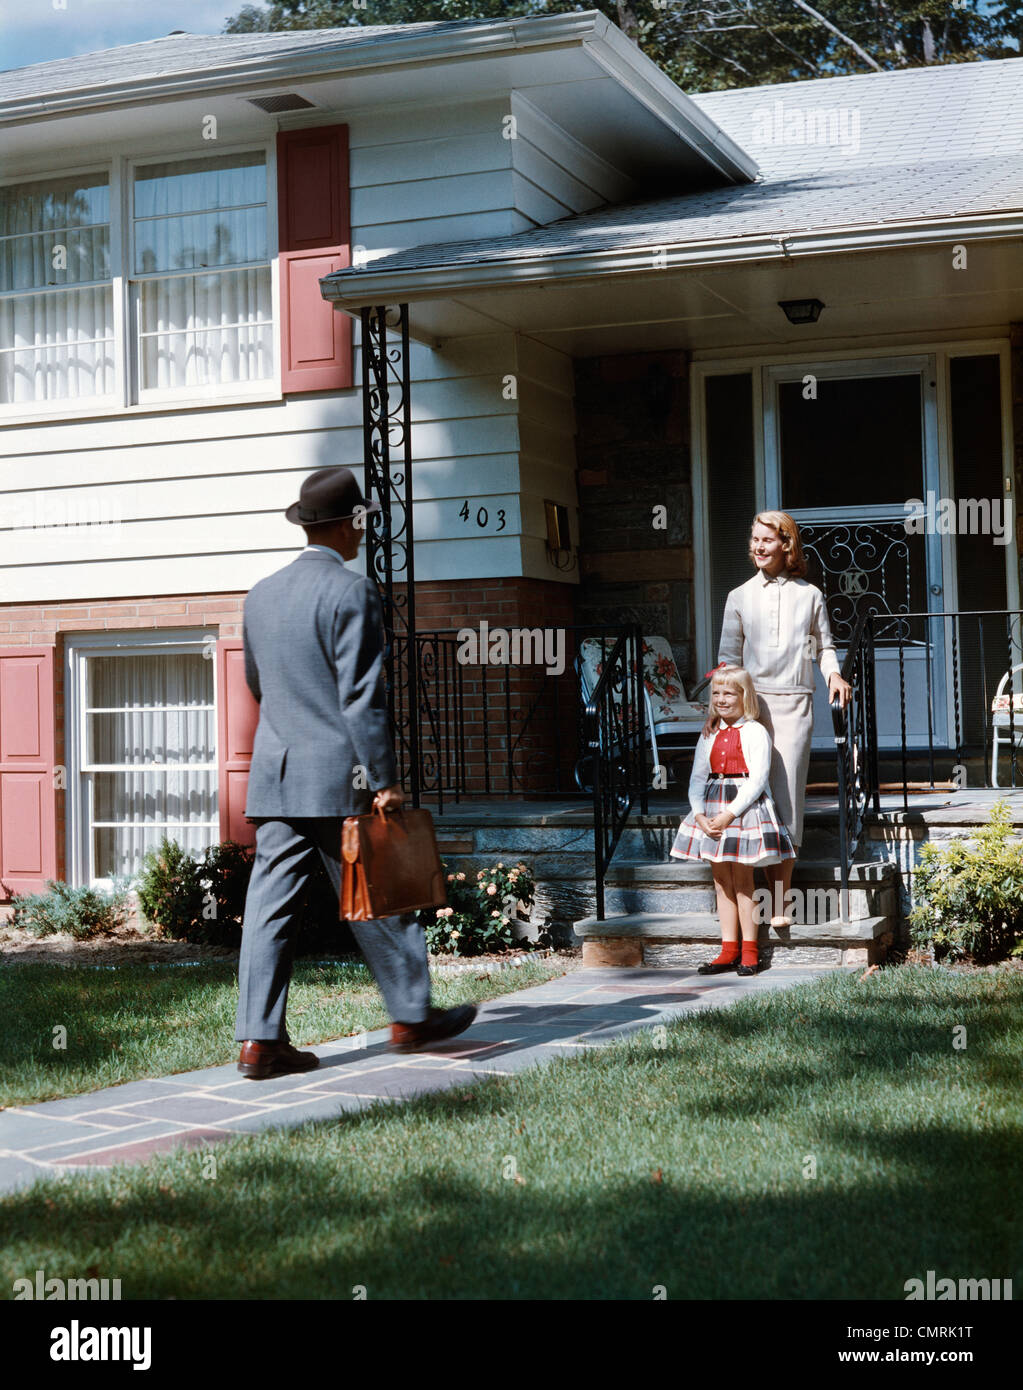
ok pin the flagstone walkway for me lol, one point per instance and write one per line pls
(583, 1009)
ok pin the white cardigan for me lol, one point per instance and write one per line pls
(756, 749)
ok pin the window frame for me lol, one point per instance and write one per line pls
(127, 398)
(78, 647)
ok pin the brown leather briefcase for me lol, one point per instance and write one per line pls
(389, 865)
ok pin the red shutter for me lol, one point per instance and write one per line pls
(28, 799)
(237, 717)
(315, 239)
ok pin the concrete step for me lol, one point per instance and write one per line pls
(675, 885)
(679, 939)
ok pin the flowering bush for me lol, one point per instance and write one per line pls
(480, 912)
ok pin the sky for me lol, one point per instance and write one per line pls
(37, 31)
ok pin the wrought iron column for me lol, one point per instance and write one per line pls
(387, 438)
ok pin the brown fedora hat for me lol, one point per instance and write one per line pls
(329, 494)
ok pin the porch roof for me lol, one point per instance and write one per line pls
(922, 157)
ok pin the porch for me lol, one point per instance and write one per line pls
(659, 912)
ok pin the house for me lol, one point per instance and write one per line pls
(622, 319)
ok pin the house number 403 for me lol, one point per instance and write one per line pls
(482, 515)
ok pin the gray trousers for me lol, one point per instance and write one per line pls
(394, 947)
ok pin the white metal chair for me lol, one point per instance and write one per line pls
(1001, 705)
(671, 717)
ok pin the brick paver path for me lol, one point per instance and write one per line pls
(585, 1008)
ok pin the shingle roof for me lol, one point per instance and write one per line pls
(934, 142)
(187, 53)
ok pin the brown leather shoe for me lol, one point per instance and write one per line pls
(261, 1060)
(441, 1023)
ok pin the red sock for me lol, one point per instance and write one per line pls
(729, 953)
(750, 954)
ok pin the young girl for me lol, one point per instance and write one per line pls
(733, 822)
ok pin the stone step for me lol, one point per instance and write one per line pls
(680, 939)
(675, 885)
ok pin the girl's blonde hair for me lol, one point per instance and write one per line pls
(788, 530)
(737, 678)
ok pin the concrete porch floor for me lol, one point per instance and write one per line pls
(968, 806)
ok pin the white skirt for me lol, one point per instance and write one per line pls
(788, 718)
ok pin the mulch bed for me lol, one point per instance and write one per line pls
(127, 946)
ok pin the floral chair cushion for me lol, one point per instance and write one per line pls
(1000, 703)
(660, 677)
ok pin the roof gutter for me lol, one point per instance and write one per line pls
(351, 290)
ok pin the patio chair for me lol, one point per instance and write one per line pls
(673, 721)
(1000, 719)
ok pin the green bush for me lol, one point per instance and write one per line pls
(197, 899)
(202, 900)
(970, 901)
(78, 912)
(480, 911)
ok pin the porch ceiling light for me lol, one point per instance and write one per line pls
(801, 310)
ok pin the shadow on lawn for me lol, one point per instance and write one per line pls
(299, 1226)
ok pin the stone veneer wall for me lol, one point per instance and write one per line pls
(632, 448)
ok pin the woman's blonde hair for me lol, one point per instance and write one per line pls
(787, 529)
(736, 678)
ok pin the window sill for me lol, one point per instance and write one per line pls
(271, 394)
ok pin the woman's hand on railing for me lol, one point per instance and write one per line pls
(840, 690)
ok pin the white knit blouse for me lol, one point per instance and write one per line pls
(756, 750)
(775, 627)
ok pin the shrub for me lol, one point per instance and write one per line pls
(201, 900)
(480, 913)
(78, 912)
(970, 901)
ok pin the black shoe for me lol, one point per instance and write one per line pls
(714, 967)
(747, 969)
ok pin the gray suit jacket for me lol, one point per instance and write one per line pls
(313, 635)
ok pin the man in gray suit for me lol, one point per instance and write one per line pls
(313, 636)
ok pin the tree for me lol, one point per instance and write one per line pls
(708, 44)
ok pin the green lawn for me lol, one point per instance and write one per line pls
(136, 1021)
(608, 1174)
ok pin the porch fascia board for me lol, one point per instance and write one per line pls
(351, 290)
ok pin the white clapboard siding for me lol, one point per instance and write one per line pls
(200, 491)
(546, 452)
(221, 572)
(541, 140)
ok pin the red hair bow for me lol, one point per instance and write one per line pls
(707, 674)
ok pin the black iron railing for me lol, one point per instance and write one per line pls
(855, 730)
(616, 738)
(502, 728)
(951, 669)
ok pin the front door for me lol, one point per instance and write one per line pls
(848, 445)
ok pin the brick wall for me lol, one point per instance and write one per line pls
(543, 719)
(440, 604)
(632, 449)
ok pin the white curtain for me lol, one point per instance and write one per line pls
(150, 711)
(214, 326)
(56, 343)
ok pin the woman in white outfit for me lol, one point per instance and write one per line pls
(776, 625)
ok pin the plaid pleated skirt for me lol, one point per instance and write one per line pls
(758, 836)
